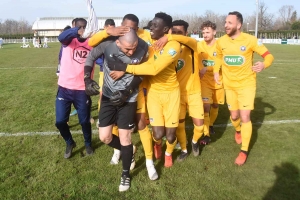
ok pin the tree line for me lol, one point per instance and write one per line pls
(285, 19)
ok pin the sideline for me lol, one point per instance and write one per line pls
(187, 127)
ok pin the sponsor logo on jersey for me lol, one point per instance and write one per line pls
(80, 54)
(172, 52)
(234, 60)
(135, 61)
(243, 48)
(208, 63)
(180, 64)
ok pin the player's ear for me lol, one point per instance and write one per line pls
(166, 29)
(118, 43)
(239, 26)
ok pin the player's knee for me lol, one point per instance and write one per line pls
(214, 105)
(171, 138)
(234, 117)
(141, 125)
(157, 135)
(106, 139)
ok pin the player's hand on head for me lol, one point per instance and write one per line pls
(216, 77)
(258, 67)
(116, 74)
(159, 44)
(117, 31)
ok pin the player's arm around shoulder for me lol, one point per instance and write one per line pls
(262, 50)
(97, 38)
(165, 57)
(188, 41)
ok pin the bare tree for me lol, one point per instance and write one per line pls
(10, 27)
(285, 14)
(293, 17)
(265, 19)
(144, 22)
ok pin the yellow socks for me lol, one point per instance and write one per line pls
(213, 115)
(206, 124)
(236, 124)
(181, 135)
(170, 147)
(198, 132)
(146, 139)
(246, 131)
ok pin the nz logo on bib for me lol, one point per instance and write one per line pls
(80, 54)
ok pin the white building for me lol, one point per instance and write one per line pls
(53, 26)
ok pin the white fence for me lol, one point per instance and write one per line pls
(7, 41)
(266, 41)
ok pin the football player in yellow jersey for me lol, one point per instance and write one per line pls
(190, 92)
(212, 93)
(235, 53)
(132, 21)
(163, 98)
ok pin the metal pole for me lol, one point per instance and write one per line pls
(256, 23)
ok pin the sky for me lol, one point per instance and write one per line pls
(30, 10)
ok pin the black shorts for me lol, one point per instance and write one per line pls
(123, 116)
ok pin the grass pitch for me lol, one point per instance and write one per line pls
(33, 167)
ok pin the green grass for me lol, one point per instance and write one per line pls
(33, 167)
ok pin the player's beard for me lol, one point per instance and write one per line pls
(232, 32)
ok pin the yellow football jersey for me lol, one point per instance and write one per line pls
(187, 65)
(161, 65)
(207, 56)
(97, 38)
(187, 72)
(101, 35)
(236, 58)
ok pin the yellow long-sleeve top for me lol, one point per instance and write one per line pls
(187, 67)
(236, 58)
(101, 35)
(208, 58)
(161, 66)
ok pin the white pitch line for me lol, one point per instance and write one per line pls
(295, 121)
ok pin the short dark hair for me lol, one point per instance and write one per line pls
(181, 23)
(67, 27)
(81, 19)
(165, 17)
(208, 24)
(109, 22)
(74, 20)
(148, 25)
(132, 17)
(238, 15)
